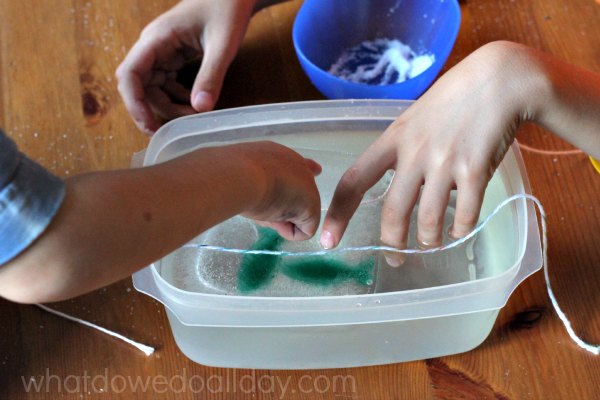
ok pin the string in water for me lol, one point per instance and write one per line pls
(592, 348)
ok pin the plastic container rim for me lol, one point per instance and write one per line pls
(508, 277)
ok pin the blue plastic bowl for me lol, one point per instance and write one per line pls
(324, 29)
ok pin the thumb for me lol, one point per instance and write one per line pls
(208, 82)
(313, 166)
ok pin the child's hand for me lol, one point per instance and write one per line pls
(454, 136)
(147, 75)
(116, 222)
(288, 198)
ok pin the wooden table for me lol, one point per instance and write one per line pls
(59, 101)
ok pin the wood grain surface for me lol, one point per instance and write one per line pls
(58, 100)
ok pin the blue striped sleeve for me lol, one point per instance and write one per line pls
(30, 196)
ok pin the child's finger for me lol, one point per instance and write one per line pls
(132, 76)
(164, 106)
(306, 227)
(177, 91)
(295, 229)
(397, 209)
(134, 97)
(432, 208)
(468, 205)
(285, 229)
(359, 178)
(313, 166)
(218, 55)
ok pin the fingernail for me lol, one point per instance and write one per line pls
(428, 244)
(326, 240)
(394, 259)
(451, 234)
(203, 101)
(455, 234)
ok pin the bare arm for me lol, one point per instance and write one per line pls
(114, 223)
(457, 133)
(570, 106)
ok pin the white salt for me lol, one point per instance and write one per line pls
(380, 62)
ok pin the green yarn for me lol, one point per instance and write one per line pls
(326, 271)
(257, 270)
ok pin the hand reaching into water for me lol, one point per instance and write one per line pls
(290, 201)
(112, 223)
(456, 135)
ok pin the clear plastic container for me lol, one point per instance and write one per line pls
(415, 313)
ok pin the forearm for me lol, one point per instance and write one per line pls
(574, 109)
(114, 223)
(565, 99)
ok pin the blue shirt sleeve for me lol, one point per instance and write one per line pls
(30, 196)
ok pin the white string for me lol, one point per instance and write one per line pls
(448, 246)
(592, 348)
(147, 350)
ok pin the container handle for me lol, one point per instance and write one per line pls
(144, 282)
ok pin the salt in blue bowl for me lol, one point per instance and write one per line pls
(324, 29)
